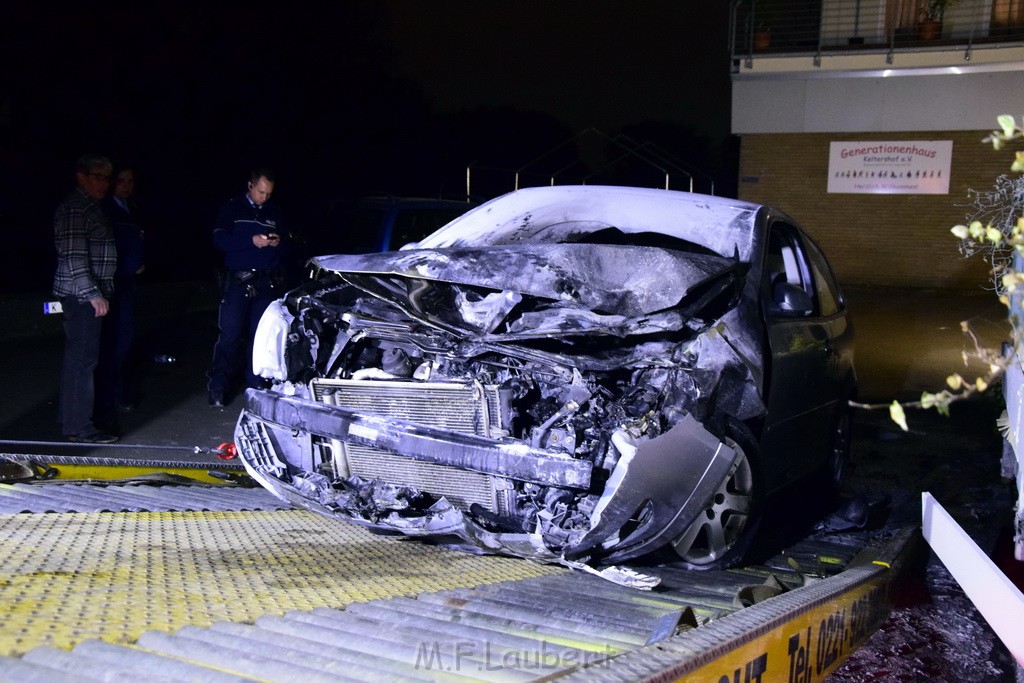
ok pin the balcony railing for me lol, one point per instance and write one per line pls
(766, 27)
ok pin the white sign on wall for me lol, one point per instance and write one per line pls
(890, 167)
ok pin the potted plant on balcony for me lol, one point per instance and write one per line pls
(766, 14)
(929, 27)
(762, 36)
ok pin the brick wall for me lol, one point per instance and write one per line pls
(898, 239)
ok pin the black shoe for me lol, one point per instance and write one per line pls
(92, 436)
(216, 399)
(109, 427)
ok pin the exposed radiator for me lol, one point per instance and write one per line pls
(464, 408)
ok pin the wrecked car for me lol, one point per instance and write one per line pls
(573, 374)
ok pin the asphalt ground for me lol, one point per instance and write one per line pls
(171, 418)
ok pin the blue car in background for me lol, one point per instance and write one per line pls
(383, 223)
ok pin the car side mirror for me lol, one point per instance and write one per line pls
(790, 300)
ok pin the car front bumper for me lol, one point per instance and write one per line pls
(670, 479)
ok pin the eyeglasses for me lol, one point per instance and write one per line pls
(102, 177)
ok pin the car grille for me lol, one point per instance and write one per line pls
(464, 408)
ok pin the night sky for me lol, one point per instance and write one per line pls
(371, 97)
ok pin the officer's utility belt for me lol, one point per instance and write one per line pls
(245, 277)
(257, 281)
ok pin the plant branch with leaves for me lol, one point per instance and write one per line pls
(996, 231)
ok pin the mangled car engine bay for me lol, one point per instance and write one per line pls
(567, 402)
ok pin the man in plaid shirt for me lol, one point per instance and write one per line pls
(84, 283)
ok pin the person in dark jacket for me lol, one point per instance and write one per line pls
(115, 380)
(249, 231)
(84, 284)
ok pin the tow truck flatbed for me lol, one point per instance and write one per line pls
(226, 590)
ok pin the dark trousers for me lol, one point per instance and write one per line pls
(115, 376)
(81, 353)
(240, 312)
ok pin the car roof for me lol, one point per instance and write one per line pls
(724, 225)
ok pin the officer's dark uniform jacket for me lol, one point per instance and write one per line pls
(236, 224)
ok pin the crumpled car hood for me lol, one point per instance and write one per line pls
(611, 279)
(566, 213)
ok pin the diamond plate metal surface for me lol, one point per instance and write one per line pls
(68, 578)
(288, 595)
(55, 496)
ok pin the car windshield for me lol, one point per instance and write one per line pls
(588, 213)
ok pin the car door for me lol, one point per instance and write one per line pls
(807, 337)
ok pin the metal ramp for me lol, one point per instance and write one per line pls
(284, 595)
(523, 630)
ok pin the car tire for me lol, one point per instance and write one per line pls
(723, 532)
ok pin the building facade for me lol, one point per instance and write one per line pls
(867, 128)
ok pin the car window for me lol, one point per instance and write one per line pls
(830, 298)
(789, 286)
(361, 232)
(412, 224)
(358, 226)
(350, 228)
(639, 239)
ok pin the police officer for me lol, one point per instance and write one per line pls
(248, 230)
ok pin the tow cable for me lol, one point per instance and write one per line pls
(224, 451)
